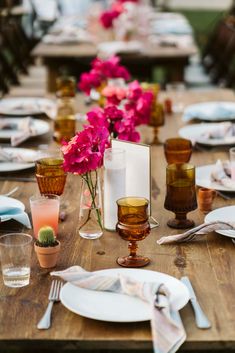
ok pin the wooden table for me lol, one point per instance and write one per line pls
(209, 263)
(77, 57)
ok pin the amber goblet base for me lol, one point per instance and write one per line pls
(156, 141)
(180, 222)
(133, 260)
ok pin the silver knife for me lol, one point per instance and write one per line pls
(201, 319)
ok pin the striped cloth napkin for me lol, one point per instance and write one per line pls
(193, 233)
(167, 329)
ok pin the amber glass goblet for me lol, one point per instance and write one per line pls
(65, 86)
(177, 150)
(50, 175)
(133, 226)
(180, 194)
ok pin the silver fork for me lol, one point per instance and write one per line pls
(54, 296)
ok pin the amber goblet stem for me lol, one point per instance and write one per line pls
(132, 246)
(156, 140)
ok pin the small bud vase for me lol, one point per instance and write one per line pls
(90, 214)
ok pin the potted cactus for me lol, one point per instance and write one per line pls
(47, 247)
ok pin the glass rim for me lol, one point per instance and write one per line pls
(177, 166)
(44, 196)
(30, 239)
(39, 161)
(132, 197)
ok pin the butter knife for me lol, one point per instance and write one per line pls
(200, 318)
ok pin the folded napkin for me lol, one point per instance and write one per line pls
(221, 131)
(18, 156)
(26, 129)
(15, 213)
(68, 35)
(167, 329)
(193, 233)
(221, 173)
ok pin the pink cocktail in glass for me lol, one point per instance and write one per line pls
(45, 212)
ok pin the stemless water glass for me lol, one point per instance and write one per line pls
(50, 175)
(176, 91)
(133, 226)
(15, 254)
(45, 212)
(177, 150)
(180, 194)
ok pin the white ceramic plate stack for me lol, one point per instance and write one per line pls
(210, 111)
(224, 214)
(203, 179)
(26, 153)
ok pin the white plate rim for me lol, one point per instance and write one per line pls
(226, 233)
(147, 317)
(213, 185)
(201, 104)
(39, 124)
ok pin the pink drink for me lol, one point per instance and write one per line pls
(45, 212)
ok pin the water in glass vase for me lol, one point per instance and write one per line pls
(89, 223)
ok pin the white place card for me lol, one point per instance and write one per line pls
(138, 168)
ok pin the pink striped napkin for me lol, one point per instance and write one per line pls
(193, 233)
(167, 330)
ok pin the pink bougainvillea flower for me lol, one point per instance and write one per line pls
(100, 71)
(114, 94)
(108, 16)
(85, 151)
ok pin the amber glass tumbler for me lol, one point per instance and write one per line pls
(50, 175)
(133, 226)
(177, 150)
(180, 194)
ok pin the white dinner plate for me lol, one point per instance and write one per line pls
(106, 306)
(203, 179)
(194, 133)
(10, 202)
(22, 106)
(41, 128)
(210, 111)
(225, 214)
(15, 166)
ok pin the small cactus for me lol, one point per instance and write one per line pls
(46, 237)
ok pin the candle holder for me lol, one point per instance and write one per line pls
(133, 226)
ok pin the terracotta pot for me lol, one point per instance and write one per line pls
(47, 256)
(205, 199)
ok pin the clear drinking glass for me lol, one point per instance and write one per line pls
(45, 212)
(114, 184)
(232, 162)
(15, 254)
(176, 91)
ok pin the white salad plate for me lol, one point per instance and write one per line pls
(195, 134)
(23, 106)
(41, 127)
(203, 179)
(210, 111)
(10, 166)
(223, 214)
(114, 307)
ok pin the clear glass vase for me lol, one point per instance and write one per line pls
(90, 214)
